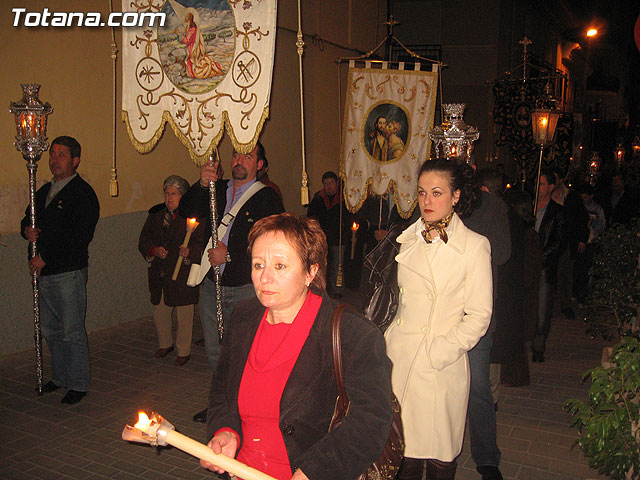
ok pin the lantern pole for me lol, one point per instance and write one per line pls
(31, 140)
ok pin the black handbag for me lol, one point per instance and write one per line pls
(382, 288)
(388, 463)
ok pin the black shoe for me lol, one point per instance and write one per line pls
(568, 312)
(489, 472)
(163, 352)
(201, 416)
(49, 387)
(73, 396)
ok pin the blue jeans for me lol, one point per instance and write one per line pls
(230, 297)
(63, 306)
(482, 413)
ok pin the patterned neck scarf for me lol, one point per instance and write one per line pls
(437, 226)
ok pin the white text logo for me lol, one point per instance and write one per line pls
(89, 19)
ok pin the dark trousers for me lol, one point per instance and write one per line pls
(581, 273)
(412, 469)
(545, 306)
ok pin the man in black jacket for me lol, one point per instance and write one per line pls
(550, 225)
(231, 253)
(67, 211)
(490, 219)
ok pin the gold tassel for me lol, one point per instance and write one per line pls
(113, 183)
(305, 189)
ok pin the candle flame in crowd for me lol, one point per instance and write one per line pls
(192, 221)
(355, 227)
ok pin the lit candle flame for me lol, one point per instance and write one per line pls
(143, 423)
(543, 121)
(355, 227)
(508, 185)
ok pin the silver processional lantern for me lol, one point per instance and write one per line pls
(453, 138)
(31, 140)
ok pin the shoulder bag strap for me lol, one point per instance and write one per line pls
(337, 356)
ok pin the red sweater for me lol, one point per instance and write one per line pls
(273, 354)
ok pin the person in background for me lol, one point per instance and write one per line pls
(488, 216)
(160, 244)
(550, 226)
(325, 207)
(577, 234)
(67, 212)
(597, 225)
(274, 392)
(623, 202)
(263, 176)
(518, 280)
(445, 304)
(231, 252)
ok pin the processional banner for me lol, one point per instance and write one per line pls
(387, 116)
(208, 67)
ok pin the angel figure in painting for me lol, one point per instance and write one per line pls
(198, 63)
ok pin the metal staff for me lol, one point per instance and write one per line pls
(213, 207)
(32, 166)
(31, 140)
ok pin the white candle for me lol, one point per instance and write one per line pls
(198, 449)
(191, 226)
(354, 231)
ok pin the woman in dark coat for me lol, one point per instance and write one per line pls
(518, 280)
(160, 244)
(274, 391)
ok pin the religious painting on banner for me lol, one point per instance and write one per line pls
(207, 68)
(388, 114)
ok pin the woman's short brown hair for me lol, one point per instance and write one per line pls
(304, 234)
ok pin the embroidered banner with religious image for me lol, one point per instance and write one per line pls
(208, 68)
(387, 116)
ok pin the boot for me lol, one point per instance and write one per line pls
(410, 469)
(439, 470)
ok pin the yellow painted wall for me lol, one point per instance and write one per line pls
(74, 67)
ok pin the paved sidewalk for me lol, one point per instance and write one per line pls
(44, 439)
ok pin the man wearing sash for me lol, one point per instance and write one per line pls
(231, 252)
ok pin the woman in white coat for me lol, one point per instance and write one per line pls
(444, 278)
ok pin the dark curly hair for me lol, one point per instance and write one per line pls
(460, 176)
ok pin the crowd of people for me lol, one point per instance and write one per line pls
(456, 292)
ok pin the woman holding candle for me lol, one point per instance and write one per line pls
(160, 244)
(445, 304)
(274, 392)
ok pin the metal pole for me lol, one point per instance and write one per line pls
(32, 166)
(213, 210)
(535, 203)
